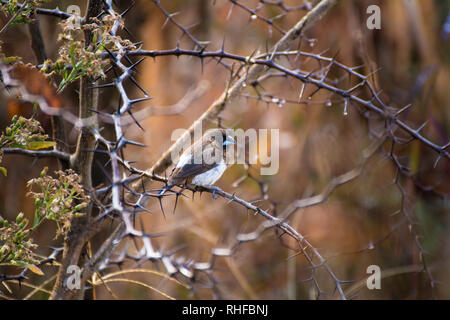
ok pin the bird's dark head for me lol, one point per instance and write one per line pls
(220, 138)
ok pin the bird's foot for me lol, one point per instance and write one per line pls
(214, 189)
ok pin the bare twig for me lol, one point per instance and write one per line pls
(38, 153)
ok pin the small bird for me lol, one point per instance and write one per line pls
(210, 149)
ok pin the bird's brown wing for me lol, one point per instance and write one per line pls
(179, 175)
(190, 170)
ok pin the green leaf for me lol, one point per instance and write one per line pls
(17, 145)
(36, 218)
(61, 85)
(36, 145)
(11, 59)
(35, 269)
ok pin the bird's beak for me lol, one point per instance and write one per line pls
(229, 141)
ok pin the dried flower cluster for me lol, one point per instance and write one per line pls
(60, 200)
(102, 32)
(76, 60)
(15, 244)
(26, 134)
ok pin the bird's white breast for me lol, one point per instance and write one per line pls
(210, 176)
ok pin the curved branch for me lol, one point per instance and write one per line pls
(38, 153)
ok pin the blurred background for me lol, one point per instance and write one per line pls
(364, 222)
